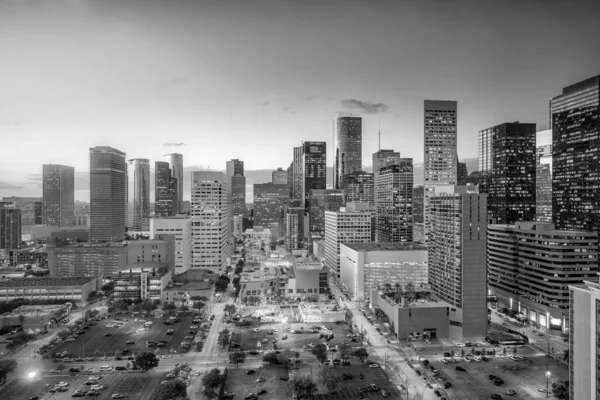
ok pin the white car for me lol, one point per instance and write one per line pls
(62, 384)
(194, 327)
(97, 387)
(460, 344)
(257, 330)
(265, 340)
(275, 330)
(374, 365)
(117, 396)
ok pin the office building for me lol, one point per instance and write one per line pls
(322, 200)
(58, 195)
(166, 203)
(294, 228)
(346, 227)
(543, 176)
(297, 175)
(575, 153)
(269, 201)
(367, 266)
(530, 265)
(181, 227)
(461, 173)
(307, 277)
(144, 281)
(507, 171)
(75, 289)
(138, 195)
(384, 158)
(457, 256)
(418, 214)
(314, 170)
(440, 159)
(279, 177)
(176, 163)
(10, 230)
(108, 194)
(584, 340)
(394, 191)
(210, 216)
(348, 148)
(359, 187)
(31, 208)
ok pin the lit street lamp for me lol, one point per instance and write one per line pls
(547, 382)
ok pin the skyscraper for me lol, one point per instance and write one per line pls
(58, 191)
(383, 158)
(108, 194)
(440, 123)
(237, 186)
(176, 162)
(322, 200)
(575, 154)
(348, 148)
(279, 177)
(314, 169)
(359, 187)
(138, 194)
(457, 257)
(462, 173)
(234, 167)
(507, 168)
(210, 212)
(10, 230)
(269, 201)
(294, 228)
(543, 176)
(418, 204)
(297, 175)
(31, 208)
(394, 202)
(166, 203)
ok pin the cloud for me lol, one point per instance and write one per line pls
(289, 110)
(364, 106)
(9, 186)
(34, 177)
(174, 144)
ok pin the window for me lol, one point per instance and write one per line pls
(291, 291)
(309, 290)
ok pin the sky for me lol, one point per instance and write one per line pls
(216, 80)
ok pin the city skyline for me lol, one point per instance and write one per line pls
(178, 102)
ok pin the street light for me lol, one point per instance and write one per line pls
(547, 382)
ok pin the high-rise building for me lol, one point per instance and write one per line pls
(543, 176)
(584, 340)
(297, 175)
(138, 195)
(210, 213)
(269, 201)
(575, 153)
(234, 167)
(384, 158)
(344, 227)
(279, 177)
(530, 264)
(58, 191)
(165, 191)
(348, 148)
(294, 228)
(31, 208)
(10, 230)
(181, 227)
(290, 178)
(457, 255)
(418, 204)
(322, 200)
(314, 169)
(461, 173)
(394, 202)
(507, 171)
(440, 123)
(108, 194)
(359, 187)
(176, 162)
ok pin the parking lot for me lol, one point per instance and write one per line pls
(137, 386)
(350, 388)
(474, 383)
(102, 340)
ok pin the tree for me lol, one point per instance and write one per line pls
(146, 361)
(472, 350)
(271, 358)
(344, 351)
(452, 354)
(560, 389)
(328, 379)
(21, 319)
(304, 386)
(349, 317)
(198, 305)
(223, 338)
(212, 380)
(108, 287)
(199, 346)
(169, 306)
(320, 351)
(566, 355)
(61, 367)
(230, 309)
(237, 358)
(362, 354)
(462, 352)
(92, 295)
(222, 283)
(174, 389)
(6, 366)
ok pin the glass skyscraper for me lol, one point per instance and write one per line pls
(394, 202)
(58, 195)
(165, 191)
(348, 148)
(314, 169)
(543, 176)
(138, 211)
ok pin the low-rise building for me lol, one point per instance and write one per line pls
(144, 281)
(37, 318)
(75, 289)
(431, 318)
(181, 227)
(320, 312)
(32, 256)
(259, 282)
(306, 278)
(257, 238)
(186, 293)
(366, 266)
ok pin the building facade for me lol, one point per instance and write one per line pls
(543, 176)
(359, 187)
(384, 158)
(75, 288)
(348, 148)
(344, 227)
(394, 202)
(279, 177)
(507, 160)
(10, 230)
(440, 125)
(269, 202)
(322, 200)
(138, 195)
(314, 169)
(210, 217)
(575, 154)
(31, 208)
(530, 266)
(366, 266)
(181, 227)
(418, 214)
(142, 282)
(166, 203)
(176, 163)
(108, 194)
(457, 255)
(58, 195)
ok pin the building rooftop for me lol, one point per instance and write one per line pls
(304, 264)
(177, 286)
(146, 266)
(320, 307)
(46, 281)
(262, 274)
(404, 246)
